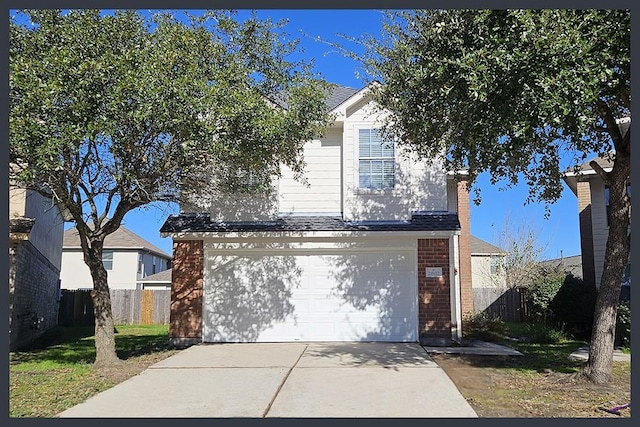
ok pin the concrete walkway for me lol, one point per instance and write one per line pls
(293, 380)
(583, 354)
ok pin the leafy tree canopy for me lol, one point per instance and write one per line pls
(506, 91)
(111, 111)
(131, 108)
(511, 92)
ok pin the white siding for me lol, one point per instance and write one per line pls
(332, 177)
(75, 274)
(481, 276)
(599, 226)
(323, 174)
(419, 185)
(147, 265)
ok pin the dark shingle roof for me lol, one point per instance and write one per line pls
(337, 95)
(479, 246)
(121, 238)
(185, 223)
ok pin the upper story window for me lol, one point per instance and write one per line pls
(376, 160)
(153, 264)
(140, 262)
(107, 260)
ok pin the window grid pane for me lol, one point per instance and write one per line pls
(376, 160)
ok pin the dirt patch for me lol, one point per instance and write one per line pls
(132, 366)
(501, 390)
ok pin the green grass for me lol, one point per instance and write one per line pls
(56, 372)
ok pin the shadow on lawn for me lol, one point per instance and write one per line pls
(535, 357)
(76, 345)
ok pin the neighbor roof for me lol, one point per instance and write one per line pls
(122, 238)
(163, 276)
(479, 246)
(570, 264)
(441, 221)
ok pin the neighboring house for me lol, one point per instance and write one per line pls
(126, 256)
(35, 247)
(570, 264)
(487, 265)
(593, 208)
(490, 292)
(160, 280)
(375, 248)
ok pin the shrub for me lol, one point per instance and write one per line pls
(542, 291)
(573, 306)
(484, 327)
(623, 324)
(541, 333)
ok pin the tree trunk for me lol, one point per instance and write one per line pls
(104, 332)
(599, 365)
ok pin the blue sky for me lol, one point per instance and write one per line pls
(559, 233)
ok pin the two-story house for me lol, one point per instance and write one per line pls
(127, 257)
(376, 247)
(35, 247)
(593, 211)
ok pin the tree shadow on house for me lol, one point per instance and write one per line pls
(246, 295)
(422, 189)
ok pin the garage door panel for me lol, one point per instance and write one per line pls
(319, 297)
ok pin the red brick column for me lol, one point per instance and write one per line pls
(434, 305)
(186, 291)
(464, 215)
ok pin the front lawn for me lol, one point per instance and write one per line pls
(55, 373)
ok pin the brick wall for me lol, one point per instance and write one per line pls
(34, 291)
(185, 324)
(434, 307)
(464, 216)
(586, 232)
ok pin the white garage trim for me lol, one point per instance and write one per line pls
(205, 235)
(456, 309)
(311, 294)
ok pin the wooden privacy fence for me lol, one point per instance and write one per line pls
(510, 305)
(129, 306)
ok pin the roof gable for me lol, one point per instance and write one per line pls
(122, 238)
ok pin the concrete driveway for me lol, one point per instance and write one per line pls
(293, 380)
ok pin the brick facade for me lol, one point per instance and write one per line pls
(434, 298)
(464, 216)
(586, 232)
(186, 292)
(34, 292)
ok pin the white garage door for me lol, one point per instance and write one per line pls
(315, 297)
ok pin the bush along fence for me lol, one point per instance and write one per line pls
(129, 306)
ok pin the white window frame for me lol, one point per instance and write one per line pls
(107, 259)
(360, 158)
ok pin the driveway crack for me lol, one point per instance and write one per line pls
(284, 380)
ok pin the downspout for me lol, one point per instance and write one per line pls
(454, 279)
